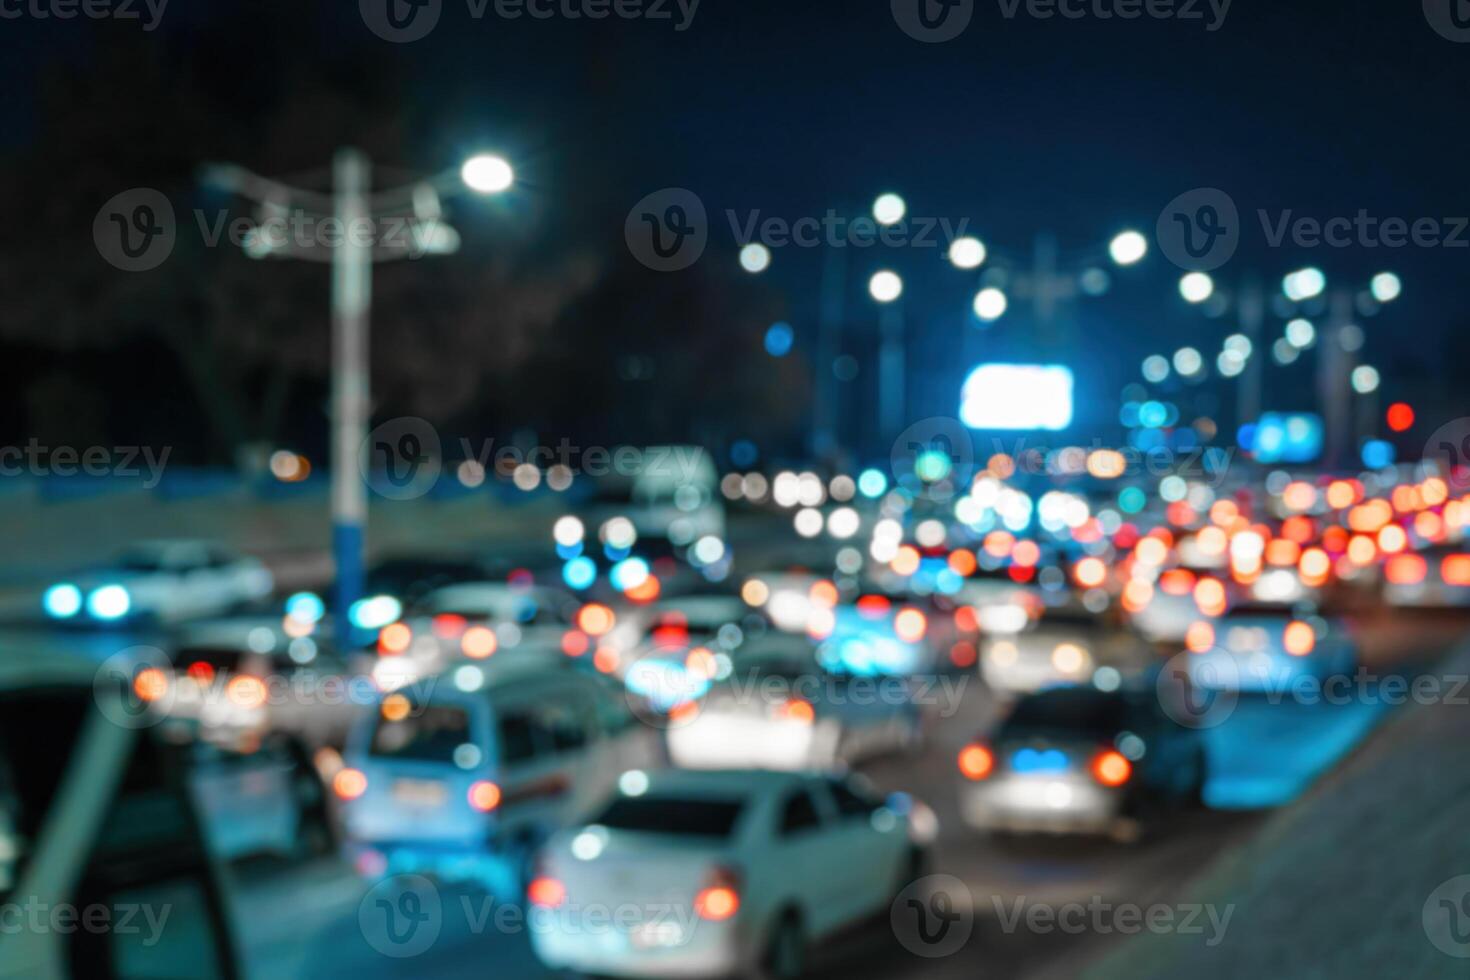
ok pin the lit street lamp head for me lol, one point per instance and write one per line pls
(486, 173)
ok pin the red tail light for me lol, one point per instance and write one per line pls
(484, 796)
(546, 892)
(349, 784)
(976, 761)
(1111, 768)
(1455, 569)
(796, 710)
(720, 898)
(1404, 569)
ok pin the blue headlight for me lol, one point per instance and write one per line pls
(62, 601)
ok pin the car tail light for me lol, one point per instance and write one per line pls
(797, 710)
(1455, 569)
(720, 898)
(1405, 569)
(200, 672)
(1111, 768)
(1299, 638)
(484, 795)
(394, 638)
(349, 784)
(976, 761)
(150, 685)
(247, 692)
(546, 892)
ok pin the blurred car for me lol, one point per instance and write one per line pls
(245, 678)
(1080, 760)
(466, 776)
(97, 814)
(267, 801)
(881, 635)
(737, 873)
(1438, 578)
(408, 578)
(471, 619)
(1063, 645)
(160, 581)
(1268, 648)
(780, 711)
(672, 496)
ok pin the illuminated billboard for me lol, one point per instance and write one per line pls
(1017, 396)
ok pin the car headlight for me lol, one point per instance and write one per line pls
(62, 601)
(109, 602)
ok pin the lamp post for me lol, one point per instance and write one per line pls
(355, 207)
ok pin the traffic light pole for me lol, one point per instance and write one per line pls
(352, 269)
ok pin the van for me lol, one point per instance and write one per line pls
(104, 867)
(465, 776)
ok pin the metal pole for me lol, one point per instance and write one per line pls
(829, 329)
(1333, 367)
(351, 301)
(1252, 313)
(890, 371)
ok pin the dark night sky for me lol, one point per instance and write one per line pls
(1019, 125)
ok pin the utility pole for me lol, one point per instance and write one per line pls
(830, 315)
(1252, 309)
(352, 270)
(891, 367)
(1334, 365)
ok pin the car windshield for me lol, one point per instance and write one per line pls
(143, 562)
(426, 734)
(1081, 712)
(675, 816)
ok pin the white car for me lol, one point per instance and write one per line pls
(464, 775)
(1435, 579)
(161, 581)
(471, 619)
(711, 874)
(777, 711)
(244, 678)
(1064, 646)
(1270, 649)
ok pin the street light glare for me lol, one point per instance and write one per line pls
(885, 286)
(1386, 287)
(755, 257)
(889, 209)
(1196, 287)
(1365, 379)
(967, 253)
(990, 304)
(487, 174)
(1303, 284)
(1128, 247)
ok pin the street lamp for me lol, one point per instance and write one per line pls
(889, 209)
(486, 173)
(967, 253)
(353, 204)
(1196, 287)
(755, 258)
(1128, 247)
(990, 304)
(885, 286)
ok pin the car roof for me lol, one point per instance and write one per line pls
(722, 782)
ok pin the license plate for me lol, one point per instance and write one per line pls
(419, 792)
